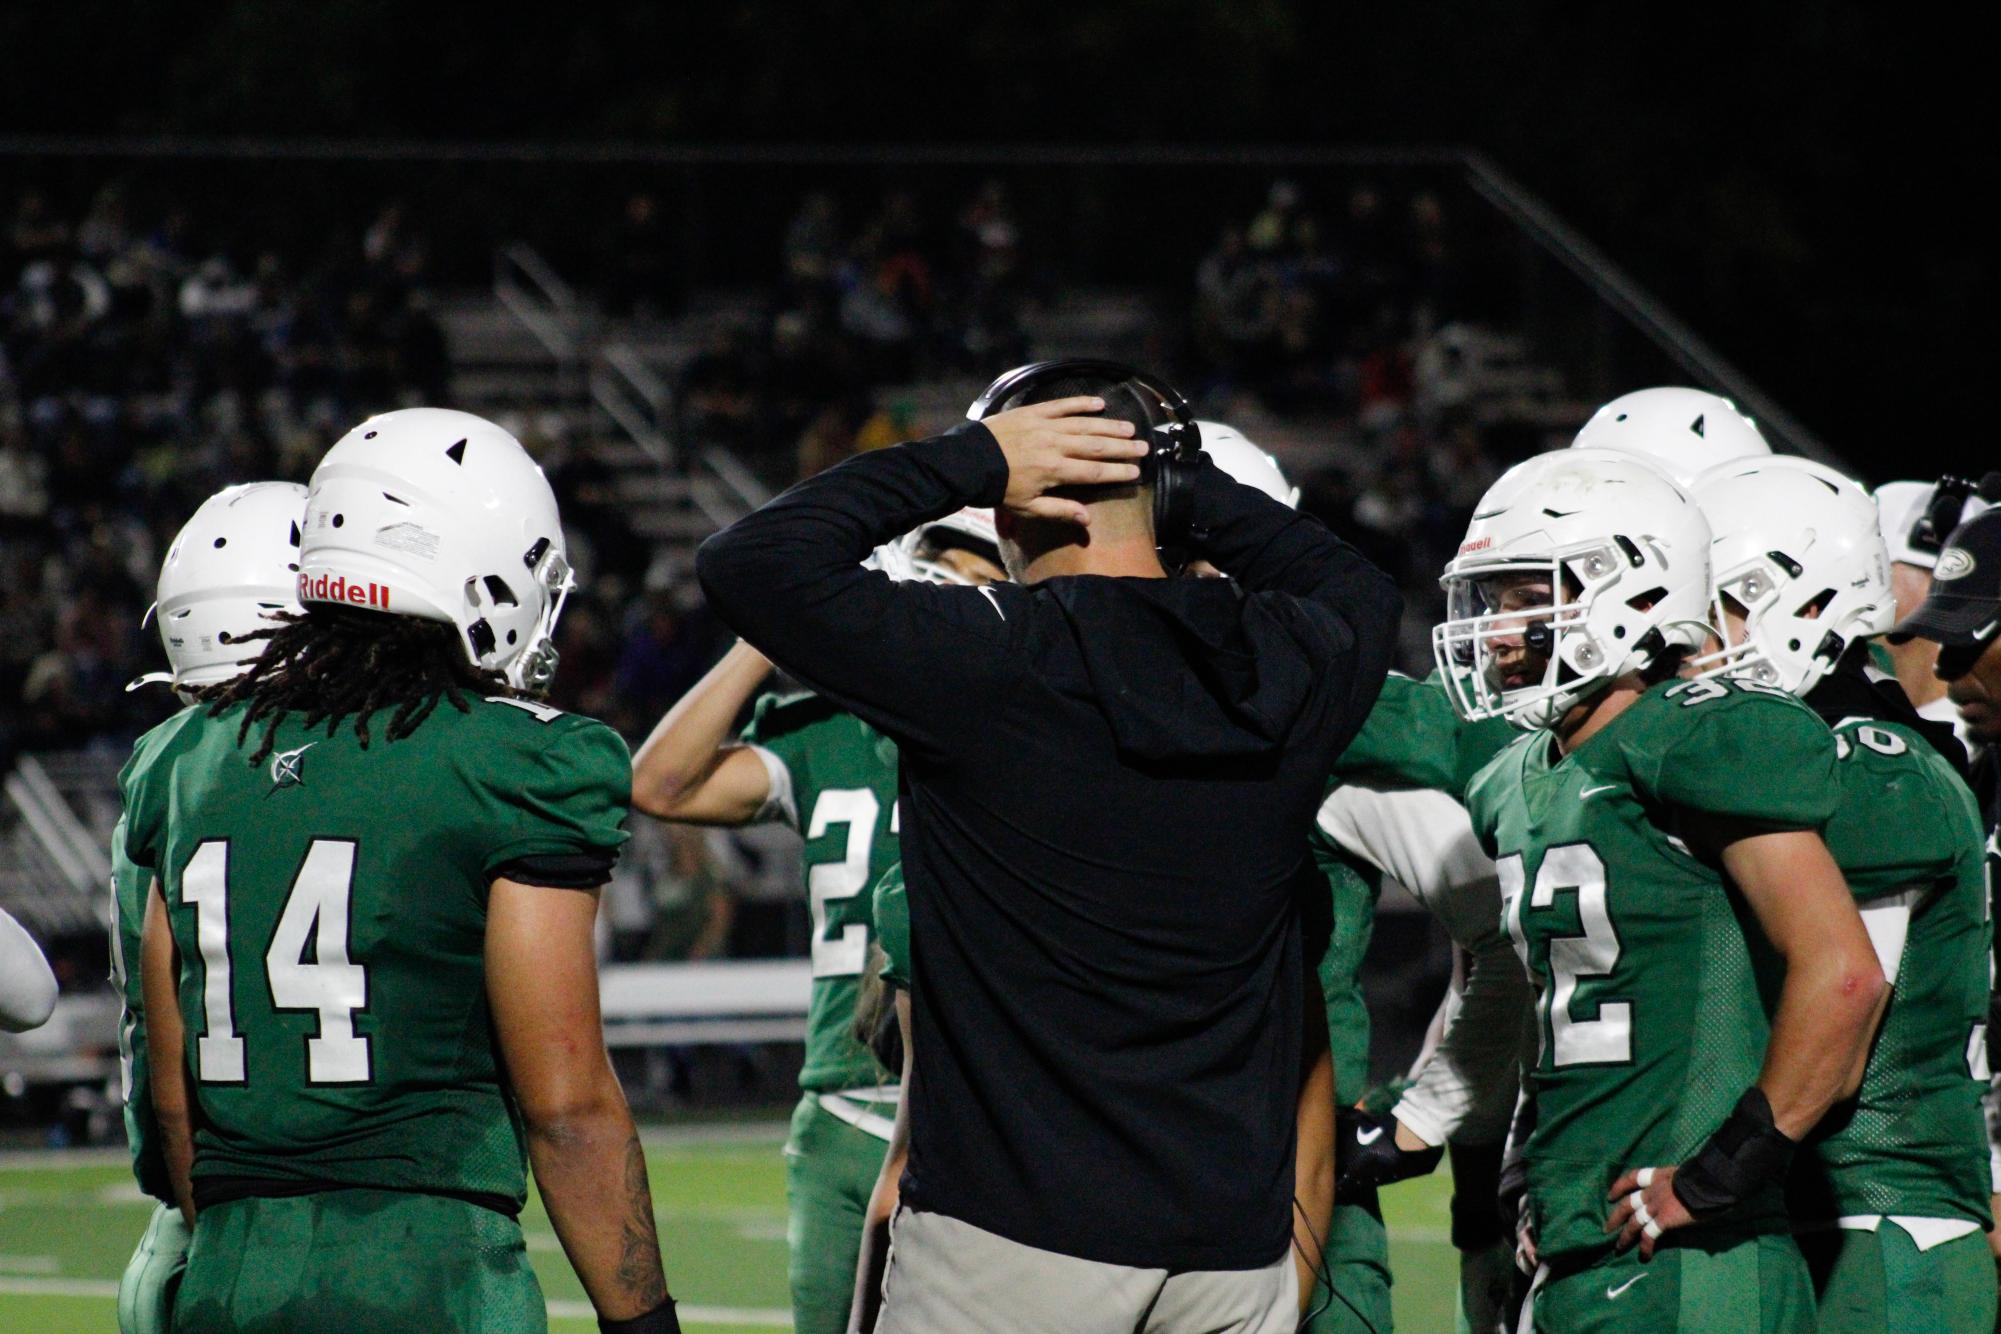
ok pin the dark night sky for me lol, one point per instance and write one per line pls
(1800, 181)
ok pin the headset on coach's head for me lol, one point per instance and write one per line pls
(1176, 447)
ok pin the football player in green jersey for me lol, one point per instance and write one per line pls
(1707, 989)
(1891, 1195)
(233, 562)
(370, 989)
(1395, 812)
(832, 777)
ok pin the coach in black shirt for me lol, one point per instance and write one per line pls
(1109, 777)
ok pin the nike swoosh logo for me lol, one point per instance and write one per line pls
(1368, 1137)
(994, 598)
(1590, 792)
(1612, 1294)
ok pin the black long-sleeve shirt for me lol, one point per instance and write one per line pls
(1108, 786)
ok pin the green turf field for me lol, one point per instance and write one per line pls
(68, 1222)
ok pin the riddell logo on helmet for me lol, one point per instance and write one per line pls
(336, 588)
(1477, 544)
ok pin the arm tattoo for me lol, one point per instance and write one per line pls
(639, 1272)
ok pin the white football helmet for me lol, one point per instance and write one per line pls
(442, 515)
(1795, 544)
(235, 561)
(1625, 554)
(1901, 507)
(1683, 431)
(915, 551)
(1236, 455)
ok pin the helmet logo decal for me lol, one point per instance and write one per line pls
(1953, 563)
(410, 538)
(288, 767)
(336, 588)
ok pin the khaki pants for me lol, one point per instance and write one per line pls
(947, 1275)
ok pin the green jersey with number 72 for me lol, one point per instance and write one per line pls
(835, 784)
(329, 908)
(1651, 972)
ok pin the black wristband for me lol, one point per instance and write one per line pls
(660, 1320)
(1746, 1152)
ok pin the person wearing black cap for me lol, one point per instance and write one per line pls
(1962, 615)
(1109, 779)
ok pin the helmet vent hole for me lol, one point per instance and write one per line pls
(502, 595)
(220, 543)
(457, 453)
(1793, 645)
(1647, 600)
(1621, 417)
(1618, 632)
(339, 519)
(396, 500)
(480, 635)
(295, 533)
(511, 637)
(369, 436)
(1632, 550)
(1699, 428)
(293, 566)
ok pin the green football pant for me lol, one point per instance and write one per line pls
(146, 1292)
(830, 1170)
(1881, 1283)
(1358, 1259)
(1758, 1286)
(358, 1262)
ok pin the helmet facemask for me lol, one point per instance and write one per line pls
(1486, 616)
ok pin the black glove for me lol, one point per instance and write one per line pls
(1366, 1153)
(1748, 1151)
(660, 1320)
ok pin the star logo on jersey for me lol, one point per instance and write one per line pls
(287, 767)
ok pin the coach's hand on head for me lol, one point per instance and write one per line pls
(1058, 444)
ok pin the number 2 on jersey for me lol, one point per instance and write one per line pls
(316, 913)
(846, 954)
(1608, 1039)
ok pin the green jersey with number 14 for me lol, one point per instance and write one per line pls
(841, 779)
(1652, 1019)
(329, 905)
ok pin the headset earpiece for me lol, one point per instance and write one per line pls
(1175, 450)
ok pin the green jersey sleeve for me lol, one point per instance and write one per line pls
(1412, 738)
(560, 788)
(143, 794)
(1906, 816)
(785, 728)
(1352, 890)
(892, 927)
(1752, 754)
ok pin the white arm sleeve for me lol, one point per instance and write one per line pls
(1425, 841)
(779, 803)
(27, 987)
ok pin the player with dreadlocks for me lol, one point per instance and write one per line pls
(415, 901)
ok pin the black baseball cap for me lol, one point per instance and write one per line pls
(1963, 609)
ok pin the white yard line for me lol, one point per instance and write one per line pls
(29, 1264)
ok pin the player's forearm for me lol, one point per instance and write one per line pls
(1313, 1175)
(591, 1173)
(1828, 1011)
(866, 1305)
(1467, 1088)
(670, 770)
(167, 1070)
